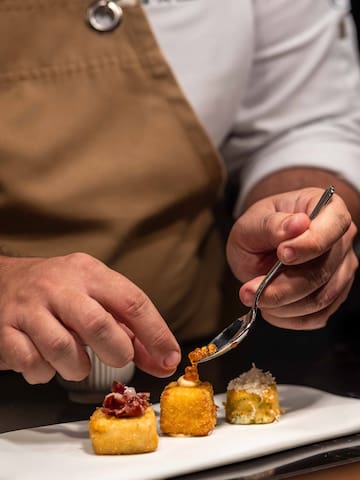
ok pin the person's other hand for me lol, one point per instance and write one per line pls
(51, 307)
(319, 259)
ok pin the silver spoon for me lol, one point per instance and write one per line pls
(232, 335)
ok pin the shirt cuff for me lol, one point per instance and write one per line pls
(341, 159)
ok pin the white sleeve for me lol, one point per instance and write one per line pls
(302, 105)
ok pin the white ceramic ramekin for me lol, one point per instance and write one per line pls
(94, 387)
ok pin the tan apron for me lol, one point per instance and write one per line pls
(101, 153)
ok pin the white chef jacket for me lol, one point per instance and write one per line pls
(274, 82)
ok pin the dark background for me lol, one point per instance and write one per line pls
(356, 15)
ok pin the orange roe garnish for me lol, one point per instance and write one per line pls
(191, 372)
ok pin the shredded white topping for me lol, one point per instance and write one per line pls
(253, 381)
(130, 390)
(182, 382)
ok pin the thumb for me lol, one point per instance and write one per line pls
(261, 235)
(254, 237)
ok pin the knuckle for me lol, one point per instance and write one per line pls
(97, 323)
(28, 362)
(327, 298)
(267, 222)
(345, 221)
(24, 320)
(28, 293)
(321, 299)
(41, 285)
(82, 261)
(273, 296)
(60, 347)
(318, 277)
(135, 303)
(318, 246)
(159, 338)
(23, 295)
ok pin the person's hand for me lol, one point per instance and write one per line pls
(50, 308)
(319, 259)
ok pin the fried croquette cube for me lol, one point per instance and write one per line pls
(244, 407)
(120, 436)
(187, 410)
(252, 398)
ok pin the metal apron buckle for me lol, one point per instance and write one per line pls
(106, 15)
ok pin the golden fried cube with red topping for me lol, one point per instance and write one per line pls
(121, 436)
(187, 410)
(125, 424)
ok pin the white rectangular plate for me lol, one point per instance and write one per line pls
(64, 451)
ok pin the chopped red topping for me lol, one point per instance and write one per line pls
(125, 402)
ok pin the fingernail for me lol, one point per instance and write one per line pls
(289, 254)
(172, 360)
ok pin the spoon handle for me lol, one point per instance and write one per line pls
(324, 200)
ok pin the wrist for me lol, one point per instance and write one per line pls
(301, 177)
